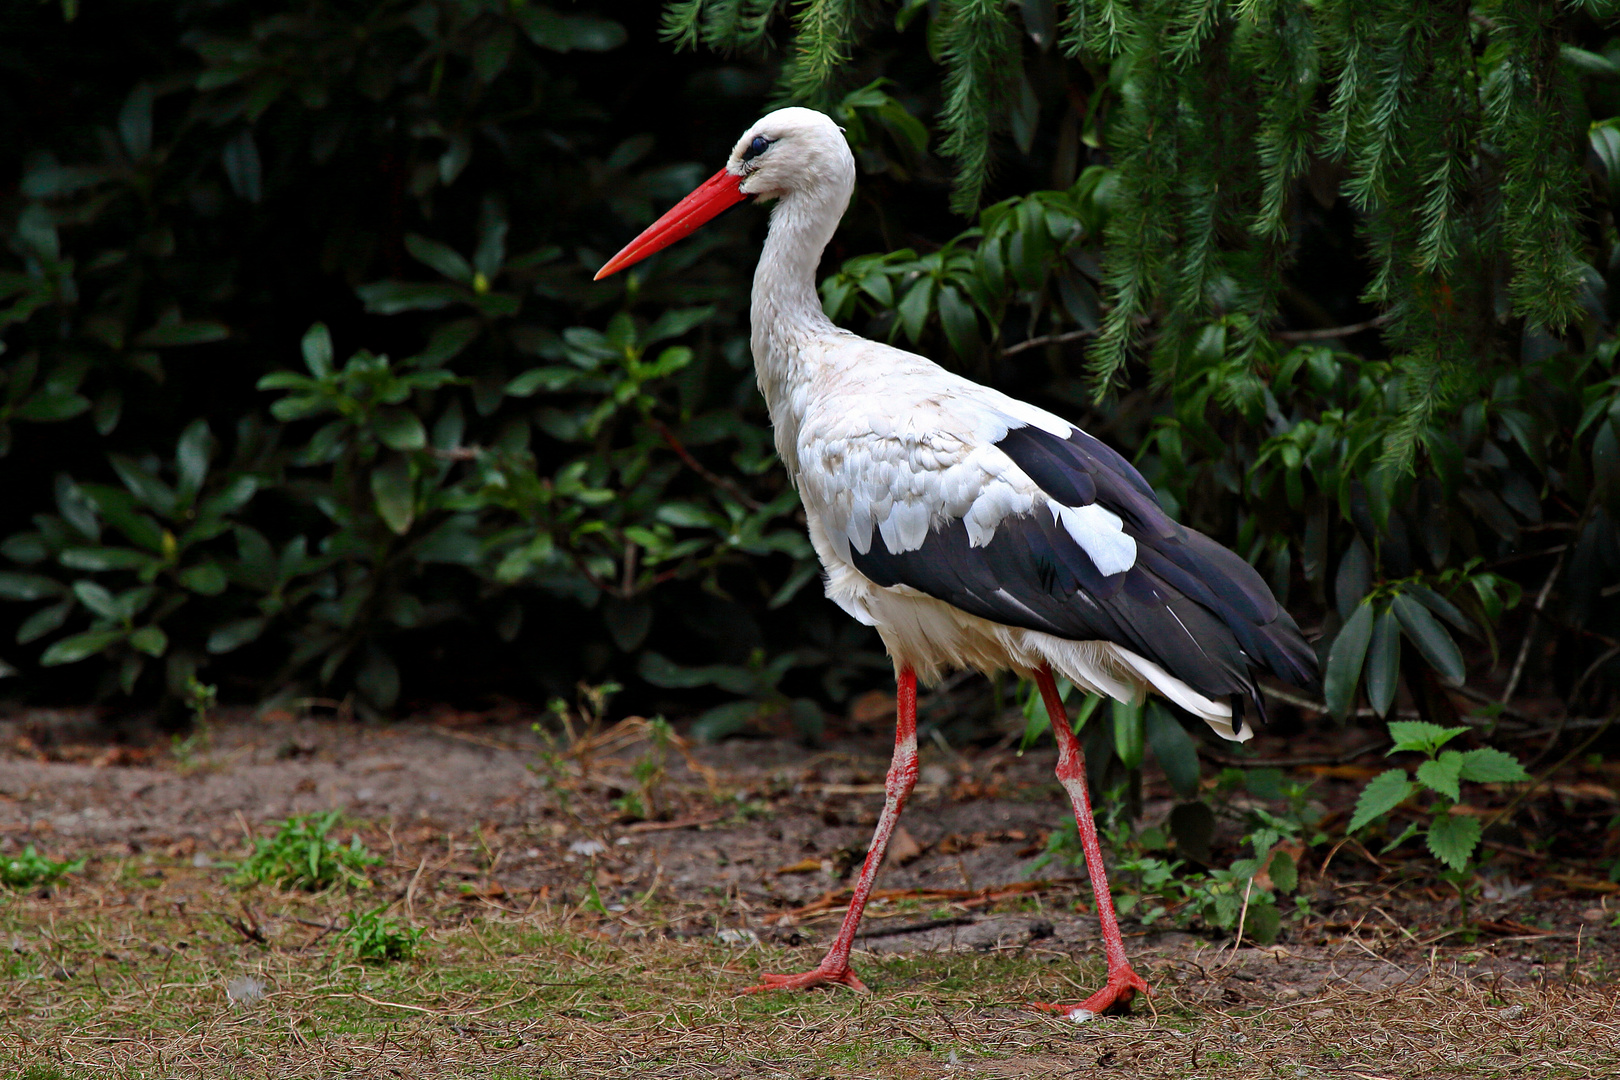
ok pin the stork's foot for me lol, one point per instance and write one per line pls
(1121, 988)
(821, 976)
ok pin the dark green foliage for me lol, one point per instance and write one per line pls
(1267, 173)
(307, 385)
(472, 446)
(980, 50)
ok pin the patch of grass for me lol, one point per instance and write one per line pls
(45, 1071)
(375, 938)
(125, 978)
(31, 869)
(302, 856)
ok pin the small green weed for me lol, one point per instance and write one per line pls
(200, 699)
(1451, 838)
(44, 1072)
(31, 869)
(372, 937)
(302, 856)
(649, 772)
(1151, 886)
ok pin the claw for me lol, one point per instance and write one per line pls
(1120, 989)
(803, 981)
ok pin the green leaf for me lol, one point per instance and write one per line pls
(51, 406)
(1173, 749)
(70, 650)
(287, 380)
(243, 167)
(1262, 923)
(1421, 736)
(229, 499)
(97, 598)
(563, 33)
(1441, 607)
(15, 586)
(438, 257)
(1382, 794)
(1130, 733)
(913, 309)
(1589, 63)
(192, 455)
(49, 180)
(661, 671)
(135, 121)
(1383, 662)
(399, 429)
(150, 640)
(723, 720)
(688, 516)
(676, 322)
(1193, 826)
(144, 485)
(393, 297)
(394, 494)
(1452, 839)
(1431, 639)
(197, 332)
(233, 635)
(317, 347)
(960, 323)
(1284, 872)
(802, 575)
(1442, 774)
(1345, 659)
(44, 621)
(549, 379)
(378, 679)
(205, 578)
(1489, 765)
(446, 343)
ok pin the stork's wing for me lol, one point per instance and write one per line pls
(1043, 527)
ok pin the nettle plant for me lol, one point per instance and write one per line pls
(1450, 830)
(1169, 871)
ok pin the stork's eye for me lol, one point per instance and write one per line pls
(756, 148)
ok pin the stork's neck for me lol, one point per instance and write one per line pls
(787, 313)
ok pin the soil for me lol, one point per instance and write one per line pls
(755, 839)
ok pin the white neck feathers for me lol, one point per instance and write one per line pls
(787, 316)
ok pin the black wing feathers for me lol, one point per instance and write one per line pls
(1188, 604)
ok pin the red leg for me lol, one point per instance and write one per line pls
(834, 967)
(1071, 773)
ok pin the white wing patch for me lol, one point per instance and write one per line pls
(1100, 533)
(904, 447)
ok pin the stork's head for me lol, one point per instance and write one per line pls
(790, 152)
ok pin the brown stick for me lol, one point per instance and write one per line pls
(1046, 339)
(1330, 332)
(702, 470)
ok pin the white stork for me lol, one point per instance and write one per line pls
(970, 528)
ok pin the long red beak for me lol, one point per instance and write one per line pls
(719, 192)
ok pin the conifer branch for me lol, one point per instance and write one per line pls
(824, 31)
(980, 48)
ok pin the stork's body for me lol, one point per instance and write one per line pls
(972, 529)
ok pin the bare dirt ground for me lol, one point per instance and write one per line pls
(741, 851)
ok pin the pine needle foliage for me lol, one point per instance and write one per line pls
(1455, 128)
(980, 48)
